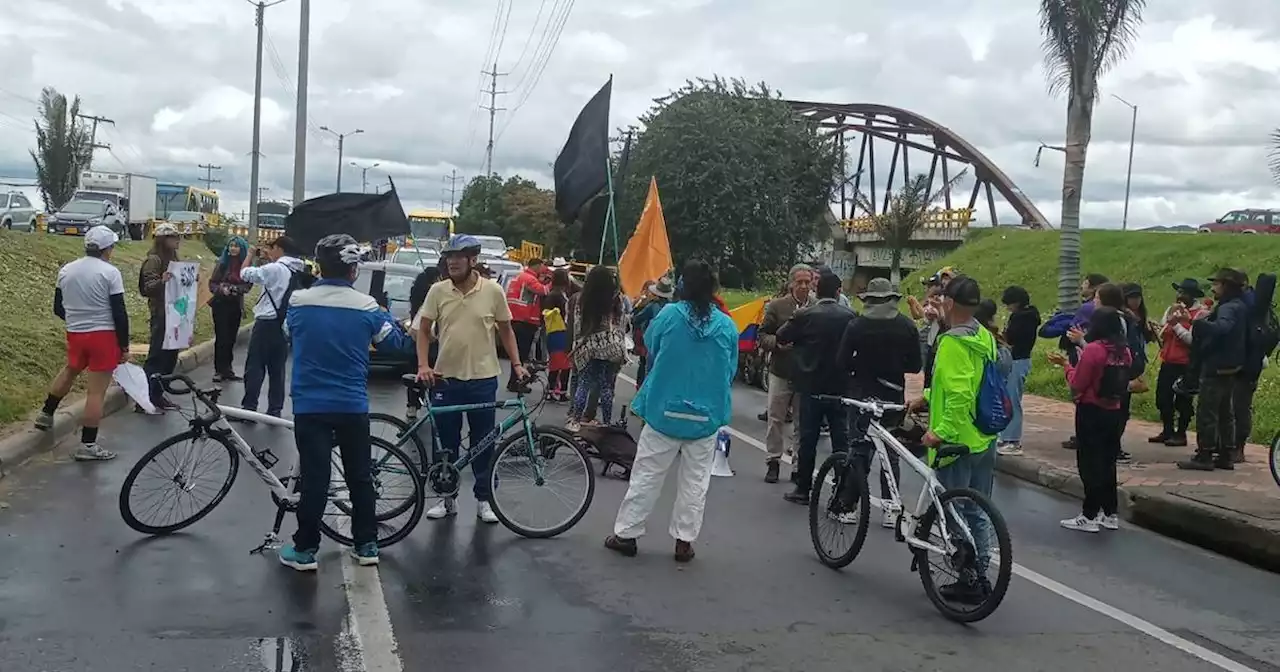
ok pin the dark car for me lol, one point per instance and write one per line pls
(389, 284)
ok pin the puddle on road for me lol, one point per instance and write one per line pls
(278, 654)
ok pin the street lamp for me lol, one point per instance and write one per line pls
(341, 137)
(364, 172)
(1128, 179)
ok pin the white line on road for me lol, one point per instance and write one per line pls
(367, 642)
(1062, 590)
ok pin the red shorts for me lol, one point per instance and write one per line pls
(95, 351)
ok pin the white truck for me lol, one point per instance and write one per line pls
(123, 201)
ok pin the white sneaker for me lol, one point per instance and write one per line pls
(410, 414)
(1111, 522)
(890, 519)
(1080, 524)
(573, 425)
(443, 509)
(92, 452)
(484, 511)
(1009, 449)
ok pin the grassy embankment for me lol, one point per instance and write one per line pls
(32, 339)
(998, 259)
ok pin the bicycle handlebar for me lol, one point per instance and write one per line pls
(874, 407)
(206, 397)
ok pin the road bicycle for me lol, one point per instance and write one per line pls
(1273, 459)
(965, 552)
(180, 460)
(527, 463)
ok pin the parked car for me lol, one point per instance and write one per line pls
(188, 222)
(80, 215)
(16, 212)
(390, 283)
(415, 256)
(1252, 221)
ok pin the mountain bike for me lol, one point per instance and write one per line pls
(180, 460)
(945, 522)
(527, 463)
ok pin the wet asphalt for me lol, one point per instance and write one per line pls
(81, 591)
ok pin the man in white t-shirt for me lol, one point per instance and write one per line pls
(89, 297)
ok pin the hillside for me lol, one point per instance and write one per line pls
(32, 340)
(1155, 260)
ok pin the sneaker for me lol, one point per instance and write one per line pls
(1124, 458)
(92, 452)
(966, 592)
(410, 414)
(1080, 524)
(443, 509)
(1111, 522)
(797, 496)
(573, 425)
(303, 561)
(44, 421)
(137, 408)
(1009, 449)
(890, 518)
(366, 554)
(484, 512)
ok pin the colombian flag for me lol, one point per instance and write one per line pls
(747, 317)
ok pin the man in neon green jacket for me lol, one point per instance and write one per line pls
(952, 400)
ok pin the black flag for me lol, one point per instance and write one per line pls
(366, 217)
(582, 168)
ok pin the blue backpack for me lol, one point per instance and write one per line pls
(995, 408)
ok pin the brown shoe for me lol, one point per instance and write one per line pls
(626, 547)
(684, 551)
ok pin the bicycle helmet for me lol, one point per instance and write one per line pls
(462, 242)
(337, 253)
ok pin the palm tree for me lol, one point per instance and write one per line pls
(62, 147)
(1082, 40)
(906, 213)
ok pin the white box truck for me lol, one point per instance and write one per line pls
(123, 201)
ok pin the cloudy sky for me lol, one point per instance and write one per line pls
(178, 81)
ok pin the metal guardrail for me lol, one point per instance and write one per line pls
(955, 218)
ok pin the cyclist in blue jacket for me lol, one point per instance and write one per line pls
(332, 325)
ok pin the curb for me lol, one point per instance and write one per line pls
(24, 444)
(1223, 531)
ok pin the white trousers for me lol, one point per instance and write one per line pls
(655, 453)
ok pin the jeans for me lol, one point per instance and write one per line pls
(316, 435)
(1098, 432)
(976, 471)
(159, 362)
(268, 352)
(597, 375)
(455, 392)
(812, 413)
(1015, 386)
(226, 326)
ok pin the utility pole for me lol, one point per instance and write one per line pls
(208, 179)
(341, 138)
(364, 175)
(493, 111)
(1128, 179)
(93, 134)
(452, 179)
(261, 191)
(300, 121)
(260, 8)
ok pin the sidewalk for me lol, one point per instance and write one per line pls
(1236, 513)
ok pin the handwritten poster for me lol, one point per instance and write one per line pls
(181, 295)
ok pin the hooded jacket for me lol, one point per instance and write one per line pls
(953, 394)
(687, 394)
(815, 333)
(1020, 331)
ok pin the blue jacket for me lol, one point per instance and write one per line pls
(687, 393)
(332, 326)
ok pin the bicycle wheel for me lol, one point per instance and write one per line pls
(177, 469)
(844, 515)
(970, 596)
(515, 481)
(1274, 458)
(391, 428)
(396, 482)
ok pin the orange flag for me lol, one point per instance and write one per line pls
(648, 253)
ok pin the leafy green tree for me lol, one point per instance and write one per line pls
(480, 208)
(529, 213)
(1082, 40)
(744, 181)
(906, 213)
(62, 147)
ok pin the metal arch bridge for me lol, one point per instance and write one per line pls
(906, 131)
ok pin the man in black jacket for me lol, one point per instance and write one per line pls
(1220, 341)
(815, 334)
(879, 349)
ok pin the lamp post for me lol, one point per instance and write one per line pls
(364, 173)
(341, 138)
(1128, 179)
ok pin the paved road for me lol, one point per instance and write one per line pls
(81, 591)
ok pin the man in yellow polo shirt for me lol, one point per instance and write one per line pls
(468, 311)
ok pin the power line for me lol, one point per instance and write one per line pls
(208, 179)
(540, 64)
(529, 38)
(484, 63)
(93, 136)
(556, 8)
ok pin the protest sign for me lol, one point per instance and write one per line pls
(180, 304)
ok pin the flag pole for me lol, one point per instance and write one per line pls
(611, 216)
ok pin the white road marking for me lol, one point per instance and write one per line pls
(1062, 590)
(367, 642)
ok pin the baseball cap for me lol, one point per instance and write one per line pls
(964, 290)
(100, 238)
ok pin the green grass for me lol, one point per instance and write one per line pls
(997, 259)
(32, 339)
(737, 297)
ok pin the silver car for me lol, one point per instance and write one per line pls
(16, 212)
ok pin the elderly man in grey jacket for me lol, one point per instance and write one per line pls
(782, 397)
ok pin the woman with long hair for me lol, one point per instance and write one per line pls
(684, 401)
(152, 278)
(227, 304)
(599, 347)
(1099, 384)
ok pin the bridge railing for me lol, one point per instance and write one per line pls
(936, 219)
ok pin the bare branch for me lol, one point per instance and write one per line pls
(1273, 156)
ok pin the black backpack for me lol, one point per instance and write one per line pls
(1263, 334)
(1114, 383)
(297, 280)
